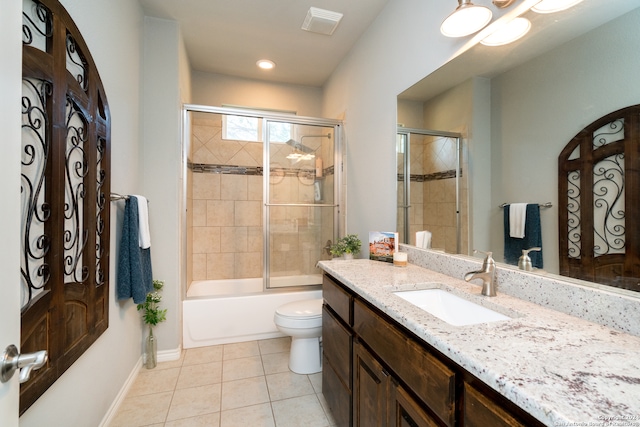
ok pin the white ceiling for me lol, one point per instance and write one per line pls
(229, 36)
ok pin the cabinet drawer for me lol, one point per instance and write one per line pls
(480, 411)
(336, 394)
(338, 299)
(431, 380)
(336, 345)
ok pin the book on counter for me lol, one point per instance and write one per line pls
(382, 245)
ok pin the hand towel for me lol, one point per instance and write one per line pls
(144, 237)
(517, 219)
(135, 277)
(423, 239)
(513, 246)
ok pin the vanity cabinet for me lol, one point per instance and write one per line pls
(377, 373)
(337, 356)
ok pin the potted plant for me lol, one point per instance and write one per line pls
(346, 247)
(152, 315)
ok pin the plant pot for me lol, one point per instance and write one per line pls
(347, 256)
(151, 351)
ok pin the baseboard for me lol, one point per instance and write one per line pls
(163, 356)
(113, 409)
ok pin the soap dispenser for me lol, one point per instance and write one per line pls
(524, 263)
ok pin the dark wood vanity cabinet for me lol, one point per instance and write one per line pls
(377, 373)
(337, 355)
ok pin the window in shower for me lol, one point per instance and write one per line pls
(243, 128)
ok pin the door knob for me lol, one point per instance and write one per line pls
(12, 361)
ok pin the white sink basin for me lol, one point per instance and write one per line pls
(451, 308)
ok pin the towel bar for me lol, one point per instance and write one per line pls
(116, 196)
(542, 205)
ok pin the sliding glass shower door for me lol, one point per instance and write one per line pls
(301, 211)
(431, 194)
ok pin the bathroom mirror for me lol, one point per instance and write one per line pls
(518, 105)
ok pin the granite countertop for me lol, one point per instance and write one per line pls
(561, 369)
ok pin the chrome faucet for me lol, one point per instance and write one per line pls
(486, 273)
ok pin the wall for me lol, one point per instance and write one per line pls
(166, 85)
(401, 46)
(565, 90)
(83, 395)
(218, 90)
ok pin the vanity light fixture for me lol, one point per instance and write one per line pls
(551, 6)
(508, 33)
(266, 64)
(466, 19)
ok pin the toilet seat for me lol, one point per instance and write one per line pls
(300, 314)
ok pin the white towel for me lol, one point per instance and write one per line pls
(517, 219)
(144, 236)
(423, 239)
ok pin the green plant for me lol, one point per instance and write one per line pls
(349, 244)
(152, 313)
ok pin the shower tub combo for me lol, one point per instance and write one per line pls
(262, 207)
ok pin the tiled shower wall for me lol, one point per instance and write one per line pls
(433, 192)
(224, 210)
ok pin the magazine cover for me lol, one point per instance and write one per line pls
(382, 245)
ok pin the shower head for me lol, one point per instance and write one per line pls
(303, 148)
(300, 147)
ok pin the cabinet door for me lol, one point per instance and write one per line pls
(404, 411)
(336, 368)
(370, 390)
(480, 411)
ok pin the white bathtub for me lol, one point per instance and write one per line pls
(215, 312)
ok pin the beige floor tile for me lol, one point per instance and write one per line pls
(210, 354)
(254, 416)
(245, 392)
(316, 382)
(287, 384)
(207, 420)
(142, 410)
(236, 369)
(275, 362)
(190, 402)
(327, 411)
(299, 411)
(240, 350)
(202, 374)
(154, 381)
(275, 345)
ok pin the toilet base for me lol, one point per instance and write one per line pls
(305, 356)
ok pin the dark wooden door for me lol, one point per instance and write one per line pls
(65, 180)
(370, 390)
(599, 184)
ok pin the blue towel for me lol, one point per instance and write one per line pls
(135, 279)
(532, 237)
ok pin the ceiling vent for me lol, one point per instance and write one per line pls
(321, 21)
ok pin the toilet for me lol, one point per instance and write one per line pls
(302, 321)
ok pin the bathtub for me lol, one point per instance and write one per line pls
(222, 312)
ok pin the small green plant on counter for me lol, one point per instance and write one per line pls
(152, 313)
(349, 244)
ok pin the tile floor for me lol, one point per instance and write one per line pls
(230, 385)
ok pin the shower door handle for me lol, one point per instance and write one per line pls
(327, 248)
(12, 361)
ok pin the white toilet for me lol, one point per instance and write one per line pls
(302, 320)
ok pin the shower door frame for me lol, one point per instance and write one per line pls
(406, 202)
(269, 116)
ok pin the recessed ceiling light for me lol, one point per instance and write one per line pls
(265, 64)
